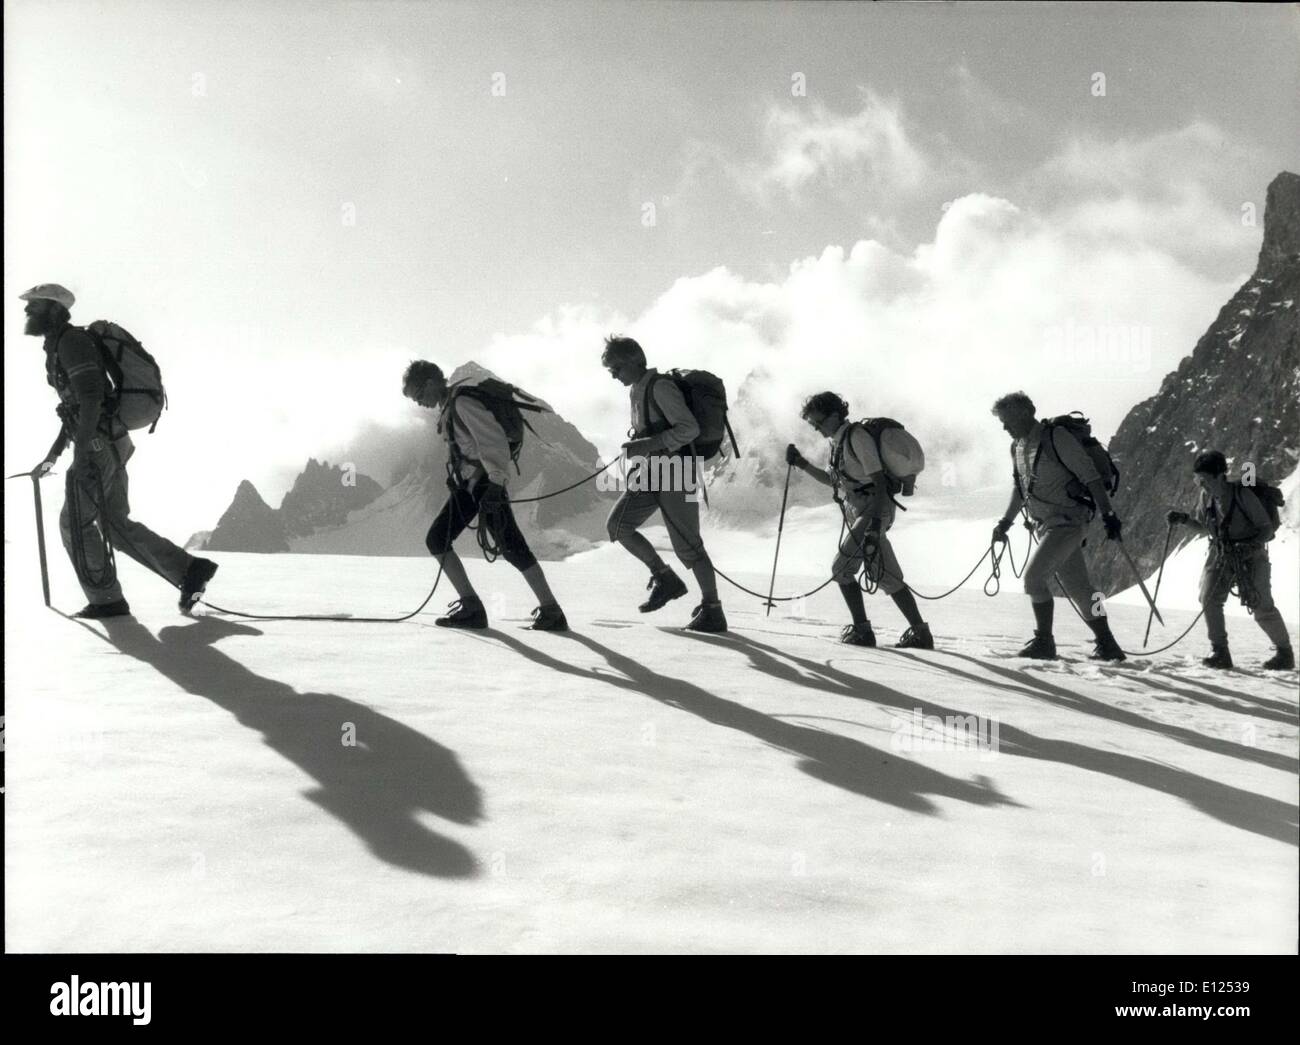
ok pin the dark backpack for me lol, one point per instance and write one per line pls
(507, 404)
(135, 392)
(706, 399)
(1272, 500)
(1081, 428)
(1269, 496)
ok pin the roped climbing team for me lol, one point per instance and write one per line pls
(1056, 484)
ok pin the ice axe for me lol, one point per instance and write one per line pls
(1141, 583)
(40, 528)
(779, 527)
(1163, 555)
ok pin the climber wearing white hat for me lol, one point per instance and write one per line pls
(96, 410)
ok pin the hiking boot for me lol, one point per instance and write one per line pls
(1106, 648)
(1040, 647)
(916, 637)
(464, 614)
(196, 580)
(663, 587)
(549, 618)
(1219, 658)
(858, 634)
(1282, 660)
(98, 611)
(708, 616)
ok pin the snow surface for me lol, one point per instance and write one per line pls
(183, 785)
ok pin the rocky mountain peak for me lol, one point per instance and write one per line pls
(1281, 222)
(248, 525)
(1238, 392)
(323, 495)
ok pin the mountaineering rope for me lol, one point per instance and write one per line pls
(869, 585)
(97, 494)
(1127, 653)
(487, 542)
(868, 582)
(110, 564)
(571, 486)
(336, 618)
(794, 598)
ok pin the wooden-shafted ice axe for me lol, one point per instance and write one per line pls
(1141, 583)
(40, 528)
(779, 527)
(1163, 556)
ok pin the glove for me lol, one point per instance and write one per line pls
(42, 469)
(1173, 517)
(794, 457)
(1111, 521)
(1000, 530)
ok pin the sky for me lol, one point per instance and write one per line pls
(918, 205)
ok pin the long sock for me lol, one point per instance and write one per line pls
(643, 550)
(1043, 612)
(537, 581)
(706, 579)
(853, 599)
(454, 571)
(906, 602)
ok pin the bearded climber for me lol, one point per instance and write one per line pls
(96, 518)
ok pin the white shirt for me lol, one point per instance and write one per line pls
(481, 441)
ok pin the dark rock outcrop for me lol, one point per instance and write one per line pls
(1238, 392)
(248, 525)
(322, 496)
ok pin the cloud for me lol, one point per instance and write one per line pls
(1181, 190)
(805, 144)
(1002, 296)
(982, 105)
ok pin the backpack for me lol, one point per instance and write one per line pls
(500, 398)
(1269, 496)
(138, 392)
(900, 454)
(1272, 500)
(135, 394)
(1081, 428)
(706, 399)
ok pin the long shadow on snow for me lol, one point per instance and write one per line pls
(1258, 708)
(1232, 805)
(834, 759)
(375, 788)
(1284, 706)
(1071, 701)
